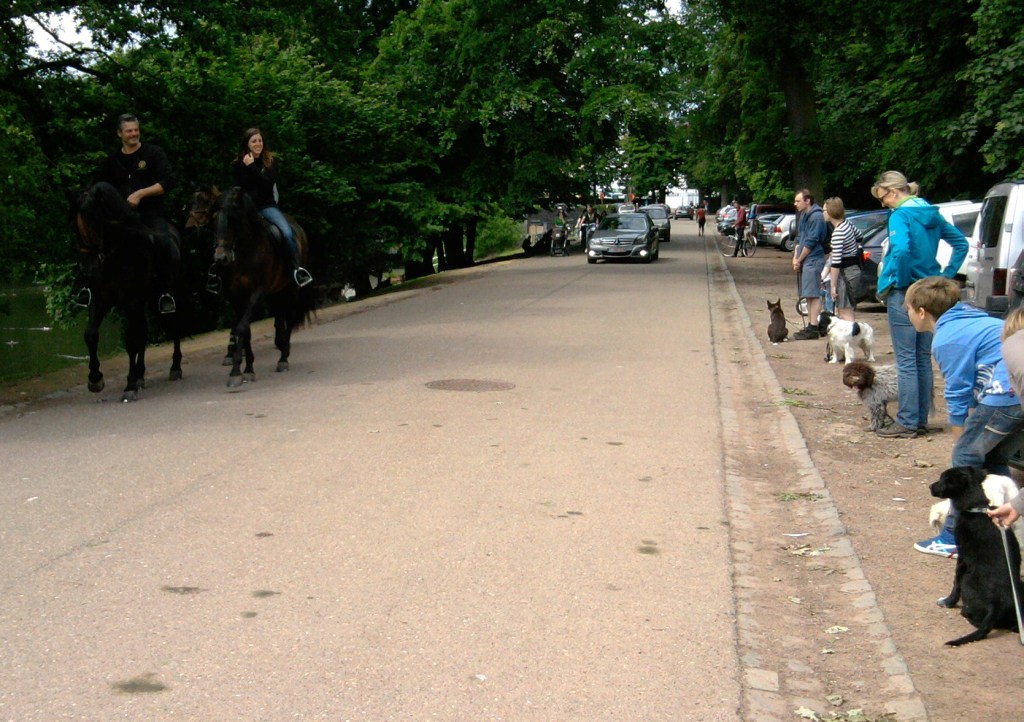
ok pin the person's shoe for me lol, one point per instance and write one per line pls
(302, 277)
(807, 333)
(896, 431)
(944, 545)
(83, 298)
(928, 430)
(166, 304)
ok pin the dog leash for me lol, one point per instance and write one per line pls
(1014, 579)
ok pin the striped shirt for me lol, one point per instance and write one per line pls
(845, 245)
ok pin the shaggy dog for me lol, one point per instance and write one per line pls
(981, 581)
(844, 337)
(777, 330)
(876, 387)
(998, 490)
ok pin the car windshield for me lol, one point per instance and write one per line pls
(655, 212)
(623, 223)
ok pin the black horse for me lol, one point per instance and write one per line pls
(259, 269)
(118, 256)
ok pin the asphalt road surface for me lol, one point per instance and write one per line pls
(500, 498)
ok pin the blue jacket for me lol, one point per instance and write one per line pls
(812, 233)
(968, 349)
(915, 227)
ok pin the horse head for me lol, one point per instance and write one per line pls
(202, 207)
(98, 211)
(237, 223)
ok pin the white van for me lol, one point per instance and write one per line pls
(998, 242)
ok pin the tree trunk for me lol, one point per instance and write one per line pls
(471, 228)
(803, 124)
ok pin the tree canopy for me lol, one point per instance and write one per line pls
(402, 125)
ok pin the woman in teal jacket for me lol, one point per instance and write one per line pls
(915, 229)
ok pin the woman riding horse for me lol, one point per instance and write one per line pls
(255, 169)
(115, 248)
(256, 272)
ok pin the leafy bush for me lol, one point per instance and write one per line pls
(498, 235)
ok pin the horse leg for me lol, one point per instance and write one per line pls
(282, 339)
(175, 330)
(244, 310)
(248, 375)
(92, 340)
(135, 344)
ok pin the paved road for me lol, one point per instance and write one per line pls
(345, 542)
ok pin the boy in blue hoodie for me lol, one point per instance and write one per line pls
(983, 407)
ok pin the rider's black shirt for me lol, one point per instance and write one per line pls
(141, 169)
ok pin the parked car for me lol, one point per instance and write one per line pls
(758, 211)
(683, 212)
(963, 215)
(659, 215)
(726, 218)
(778, 230)
(624, 235)
(998, 241)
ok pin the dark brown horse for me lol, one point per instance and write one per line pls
(117, 252)
(258, 270)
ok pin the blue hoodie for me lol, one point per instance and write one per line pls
(813, 233)
(915, 227)
(968, 348)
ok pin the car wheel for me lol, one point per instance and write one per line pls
(591, 260)
(657, 252)
(788, 244)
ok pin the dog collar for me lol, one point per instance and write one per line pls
(980, 509)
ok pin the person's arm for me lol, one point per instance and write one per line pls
(958, 367)
(958, 242)
(162, 171)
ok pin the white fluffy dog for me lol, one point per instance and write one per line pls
(844, 337)
(998, 489)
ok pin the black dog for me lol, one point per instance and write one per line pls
(981, 580)
(777, 330)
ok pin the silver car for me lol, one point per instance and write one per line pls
(659, 216)
(624, 235)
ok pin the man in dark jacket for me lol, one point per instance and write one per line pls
(142, 174)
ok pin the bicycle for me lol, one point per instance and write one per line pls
(747, 245)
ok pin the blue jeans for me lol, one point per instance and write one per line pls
(275, 216)
(913, 352)
(830, 303)
(985, 430)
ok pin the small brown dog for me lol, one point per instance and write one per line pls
(777, 331)
(876, 386)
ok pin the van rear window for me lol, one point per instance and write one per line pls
(991, 223)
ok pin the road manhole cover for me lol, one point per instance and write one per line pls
(469, 385)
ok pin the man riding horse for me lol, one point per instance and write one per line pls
(142, 174)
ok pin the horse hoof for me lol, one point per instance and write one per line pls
(175, 375)
(97, 386)
(249, 378)
(129, 396)
(282, 366)
(234, 382)
(227, 361)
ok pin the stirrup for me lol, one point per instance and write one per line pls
(213, 284)
(302, 277)
(166, 304)
(83, 298)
